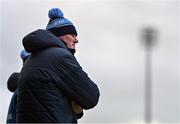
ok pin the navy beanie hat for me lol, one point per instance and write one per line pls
(59, 25)
(24, 55)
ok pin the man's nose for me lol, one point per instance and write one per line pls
(76, 40)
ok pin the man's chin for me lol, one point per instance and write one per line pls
(72, 50)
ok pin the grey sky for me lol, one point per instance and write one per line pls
(109, 51)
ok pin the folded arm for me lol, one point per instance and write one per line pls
(76, 84)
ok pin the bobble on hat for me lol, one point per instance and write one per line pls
(55, 13)
(24, 55)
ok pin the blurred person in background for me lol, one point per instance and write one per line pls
(12, 84)
(53, 88)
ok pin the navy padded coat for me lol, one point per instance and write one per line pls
(50, 80)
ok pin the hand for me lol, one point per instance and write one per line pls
(77, 108)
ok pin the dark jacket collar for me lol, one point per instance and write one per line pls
(41, 39)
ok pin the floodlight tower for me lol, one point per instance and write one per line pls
(149, 35)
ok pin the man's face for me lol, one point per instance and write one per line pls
(70, 40)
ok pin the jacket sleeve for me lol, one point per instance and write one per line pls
(76, 84)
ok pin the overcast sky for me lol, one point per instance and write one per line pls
(109, 50)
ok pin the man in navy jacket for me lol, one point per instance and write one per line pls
(12, 86)
(53, 88)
